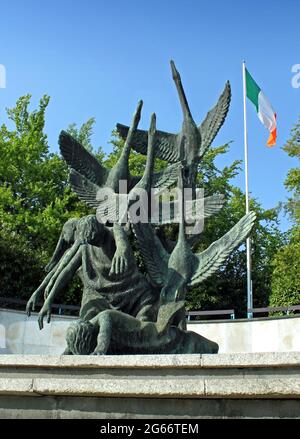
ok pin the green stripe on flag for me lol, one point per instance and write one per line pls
(252, 89)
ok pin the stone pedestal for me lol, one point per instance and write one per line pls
(152, 386)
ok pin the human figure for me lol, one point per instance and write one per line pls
(114, 332)
(90, 253)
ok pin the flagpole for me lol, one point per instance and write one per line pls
(248, 243)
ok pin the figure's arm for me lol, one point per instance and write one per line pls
(123, 255)
(61, 247)
(64, 277)
(31, 304)
(63, 263)
(65, 241)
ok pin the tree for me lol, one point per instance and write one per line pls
(292, 182)
(35, 199)
(84, 136)
(227, 288)
(286, 263)
(285, 278)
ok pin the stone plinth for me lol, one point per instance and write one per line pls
(151, 386)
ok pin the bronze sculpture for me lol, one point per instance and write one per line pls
(122, 310)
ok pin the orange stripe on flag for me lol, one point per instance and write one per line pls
(272, 138)
(273, 135)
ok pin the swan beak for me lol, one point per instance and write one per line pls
(152, 125)
(137, 114)
(175, 73)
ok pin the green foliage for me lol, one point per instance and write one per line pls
(286, 263)
(137, 161)
(227, 289)
(286, 279)
(292, 182)
(84, 133)
(20, 268)
(35, 199)
(84, 136)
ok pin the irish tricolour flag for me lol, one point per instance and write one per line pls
(264, 109)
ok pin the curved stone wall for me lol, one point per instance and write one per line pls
(21, 335)
(280, 334)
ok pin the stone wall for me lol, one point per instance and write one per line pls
(21, 335)
(279, 334)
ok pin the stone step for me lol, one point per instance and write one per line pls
(63, 382)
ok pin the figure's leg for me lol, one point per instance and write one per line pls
(105, 333)
(180, 319)
(92, 304)
(196, 343)
(145, 307)
(67, 351)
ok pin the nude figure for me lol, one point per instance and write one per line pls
(114, 332)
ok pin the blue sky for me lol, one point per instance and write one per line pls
(98, 58)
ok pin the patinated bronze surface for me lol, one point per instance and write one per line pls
(124, 311)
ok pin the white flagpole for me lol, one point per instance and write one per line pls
(248, 243)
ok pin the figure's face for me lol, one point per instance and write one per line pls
(69, 230)
(89, 230)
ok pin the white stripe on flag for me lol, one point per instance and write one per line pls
(266, 113)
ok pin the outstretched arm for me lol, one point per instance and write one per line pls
(31, 304)
(66, 273)
(66, 239)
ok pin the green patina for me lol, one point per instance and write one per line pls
(124, 311)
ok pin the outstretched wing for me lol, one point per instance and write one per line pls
(159, 180)
(167, 177)
(113, 208)
(212, 205)
(78, 158)
(212, 258)
(84, 188)
(194, 210)
(165, 143)
(215, 118)
(154, 255)
(205, 207)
